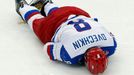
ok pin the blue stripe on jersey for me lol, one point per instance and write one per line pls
(77, 59)
(52, 10)
(67, 59)
(29, 13)
(110, 49)
(64, 55)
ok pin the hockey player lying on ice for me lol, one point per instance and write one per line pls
(70, 35)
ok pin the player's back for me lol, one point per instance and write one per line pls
(79, 34)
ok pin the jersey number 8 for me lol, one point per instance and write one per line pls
(80, 25)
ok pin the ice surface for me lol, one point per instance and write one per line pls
(21, 53)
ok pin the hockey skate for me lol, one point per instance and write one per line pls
(39, 3)
(19, 3)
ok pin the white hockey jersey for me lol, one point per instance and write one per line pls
(75, 36)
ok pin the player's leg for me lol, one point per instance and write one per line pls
(30, 14)
(48, 7)
(27, 12)
(45, 6)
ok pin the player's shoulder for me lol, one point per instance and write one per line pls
(75, 26)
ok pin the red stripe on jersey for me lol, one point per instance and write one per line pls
(49, 52)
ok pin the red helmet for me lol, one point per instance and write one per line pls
(96, 60)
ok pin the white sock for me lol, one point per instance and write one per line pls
(49, 7)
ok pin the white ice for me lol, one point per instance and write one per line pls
(21, 53)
